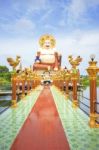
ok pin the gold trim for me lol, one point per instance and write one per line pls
(14, 104)
(75, 104)
(67, 97)
(92, 121)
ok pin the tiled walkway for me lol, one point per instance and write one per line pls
(42, 129)
(75, 124)
(12, 120)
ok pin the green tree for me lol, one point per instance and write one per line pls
(4, 69)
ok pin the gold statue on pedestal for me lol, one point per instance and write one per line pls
(14, 63)
(92, 71)
(75, 74)
(74, 62)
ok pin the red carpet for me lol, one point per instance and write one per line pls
(43, 129)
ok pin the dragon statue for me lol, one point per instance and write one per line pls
(14, 63)
(74, 62)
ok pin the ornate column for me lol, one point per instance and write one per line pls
(67, 84)
(34, 83)
(28, 85)
(75, 76)
(23, 87)
(18, 85)
(37, 82)
(14, 63)
(57, 83)
(92, 72)
(56, 61)
(74, 79)
(14, 97)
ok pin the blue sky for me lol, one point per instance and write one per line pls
(74, 24)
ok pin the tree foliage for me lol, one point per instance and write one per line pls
(4, 69)
(5, 75)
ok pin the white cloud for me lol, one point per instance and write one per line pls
(90, 40)
(37, 4)
(18, 46)
(30, 6)
(76, 8)
(75, 11)
(49, 27)
(46, 15)
(79, 7)
(19, 26)
(83, 43)
(24, 23)
(62, 23)
(26, 48)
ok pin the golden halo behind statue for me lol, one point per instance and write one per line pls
(45, 37)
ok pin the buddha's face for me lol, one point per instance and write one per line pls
(47, 44)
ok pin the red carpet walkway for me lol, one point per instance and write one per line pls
(43, 129)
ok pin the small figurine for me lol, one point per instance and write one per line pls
(37, 59)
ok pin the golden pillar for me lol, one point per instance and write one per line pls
(58, 83)
(74, 79)
(67, 84)
(92, 72)
(75, 76)
(14, 88)
(28, 85)
(37, 82)
(18, 86)
(23, 87)
(53, 82)
(33, 84)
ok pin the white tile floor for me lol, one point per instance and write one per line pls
(12, 120)
(75, 124)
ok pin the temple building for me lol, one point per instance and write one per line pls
(49, 109)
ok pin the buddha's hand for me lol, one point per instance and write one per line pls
(56, 54)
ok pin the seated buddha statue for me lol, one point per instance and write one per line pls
(47, 58)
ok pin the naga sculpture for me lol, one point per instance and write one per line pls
(74, 61)
(14, 63)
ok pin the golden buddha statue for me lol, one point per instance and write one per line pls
(47, 57)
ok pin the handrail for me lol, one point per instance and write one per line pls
(84, 111)
(84, 104)
(97, 103)
(4, 103)
(3, 106)
(84, 97)
(2, 110)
